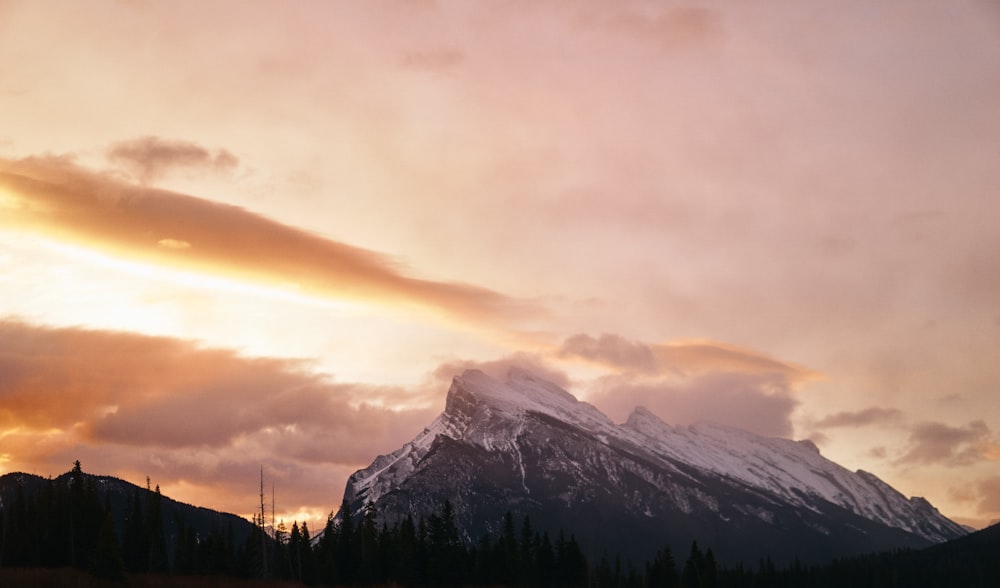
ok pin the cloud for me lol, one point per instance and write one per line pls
(861, 418)
(691, 381)
(989, 496)
(199, 421)
(984, 493)
(138, 391)
(759, 403)
(612, 350)
(150, 158)
(939, 443)
(679, 358)
(499, 368)
(61, 200)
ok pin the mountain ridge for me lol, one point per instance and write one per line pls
(526, 444)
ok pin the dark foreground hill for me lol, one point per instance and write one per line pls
(972, 561)
(73, 519)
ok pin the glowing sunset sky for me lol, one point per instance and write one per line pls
(245, 234)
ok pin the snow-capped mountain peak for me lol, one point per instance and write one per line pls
(521, 392)
(526, 443)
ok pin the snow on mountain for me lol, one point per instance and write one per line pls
(481, 410)
(793, 470)
(527, 442)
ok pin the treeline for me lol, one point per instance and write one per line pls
(430, 552)
(66, 523)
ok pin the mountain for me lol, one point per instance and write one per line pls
(529, 447)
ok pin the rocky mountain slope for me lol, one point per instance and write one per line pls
(527, 446)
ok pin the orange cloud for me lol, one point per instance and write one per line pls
(195, 418)
(140, 391)
(59, 199)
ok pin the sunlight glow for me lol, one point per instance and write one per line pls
(198, 280)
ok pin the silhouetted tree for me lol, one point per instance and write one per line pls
(135, 538)
(157, 540)
(106, 561)
(662, 571)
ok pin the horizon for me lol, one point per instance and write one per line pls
(233, 238)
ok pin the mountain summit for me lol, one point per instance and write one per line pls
(529, 447)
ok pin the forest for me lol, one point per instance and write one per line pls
(69, 524)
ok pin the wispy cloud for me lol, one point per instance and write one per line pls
(611, 350)
(869, 416)
(499, 368)
(679, 358)
(149, 158)
(92, 209)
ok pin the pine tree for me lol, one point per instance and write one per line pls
(545, 561)
(157, 541)
(507, 552)
(348, 552)
(408, 553)
(326, 553)
(662, 572)
(135, 537)
(107, 561)
(186, 552)
(370, 569)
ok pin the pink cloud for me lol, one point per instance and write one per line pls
(612, 350)
(761, 404)
(938, 443)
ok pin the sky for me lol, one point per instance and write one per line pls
(237, 235)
